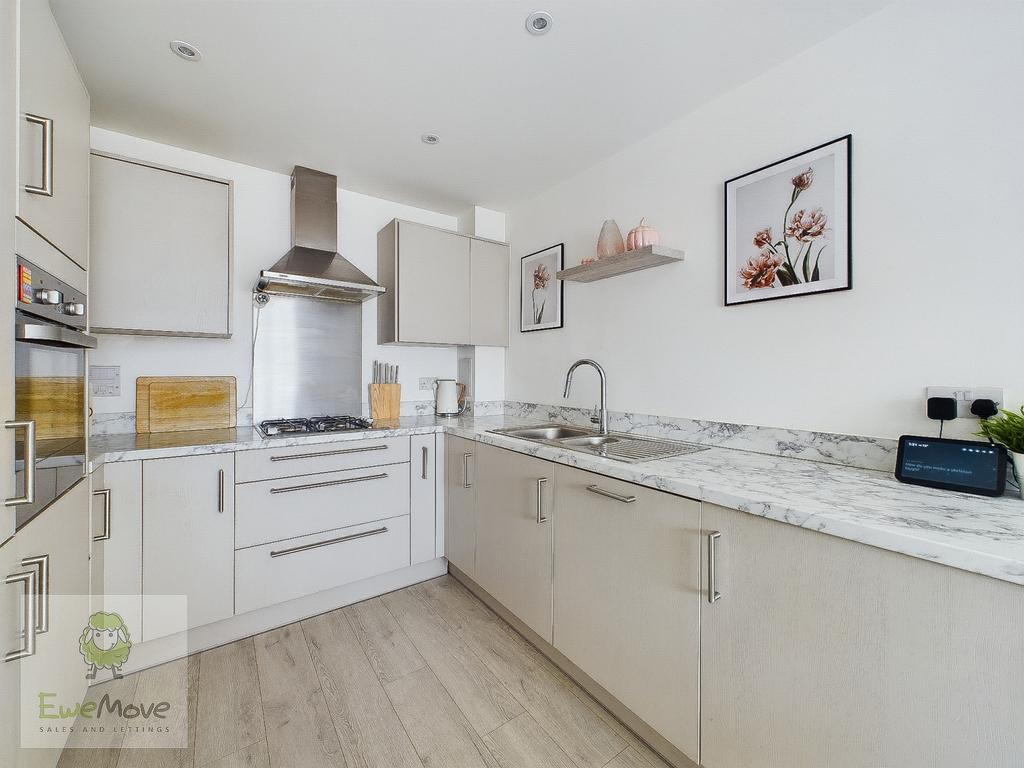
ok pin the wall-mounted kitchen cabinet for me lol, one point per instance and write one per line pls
(53, 146)
(442, 287)
(161, 250)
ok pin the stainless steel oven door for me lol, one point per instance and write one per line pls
(49, 392)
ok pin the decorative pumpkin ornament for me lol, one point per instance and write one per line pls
(609, 242)
(642, 235)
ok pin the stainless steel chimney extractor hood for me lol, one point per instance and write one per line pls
(313, 267)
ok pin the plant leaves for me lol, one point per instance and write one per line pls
(783, 275)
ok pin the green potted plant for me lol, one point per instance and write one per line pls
(1008, 429)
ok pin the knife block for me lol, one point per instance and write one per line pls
(385, 401)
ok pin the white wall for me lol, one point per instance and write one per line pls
(262, 235)
(933, 96)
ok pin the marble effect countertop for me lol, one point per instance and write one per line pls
(972, 533)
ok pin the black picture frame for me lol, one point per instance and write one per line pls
(729, 264)
(559, 289)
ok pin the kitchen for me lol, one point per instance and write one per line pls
(355, 431)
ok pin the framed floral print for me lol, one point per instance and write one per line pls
(787, 227)
(541, 293)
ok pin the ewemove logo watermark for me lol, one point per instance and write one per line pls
(95, 683)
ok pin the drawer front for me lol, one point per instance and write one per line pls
(268, 463)
(272, 510)
(274, 573)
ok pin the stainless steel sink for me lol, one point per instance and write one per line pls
(628, 448)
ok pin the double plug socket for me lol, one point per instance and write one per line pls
(964, 396)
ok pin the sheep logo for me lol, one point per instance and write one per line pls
(105, 644)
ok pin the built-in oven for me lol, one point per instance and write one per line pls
(49, 389)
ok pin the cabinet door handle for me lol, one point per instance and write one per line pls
(220, 490)
(541, 518)
(425, 454)
(339, 452)
(28, 580)
(105, 493)
(465, 470)
(42, 592)
(713, 594)
(328, 542)
(328, 483)
(617, 496)
(29, 496)
(46, 187)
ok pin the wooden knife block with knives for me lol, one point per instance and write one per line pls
(385, 393)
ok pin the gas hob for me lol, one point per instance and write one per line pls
(312, 426)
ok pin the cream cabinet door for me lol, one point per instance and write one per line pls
(188, 529)
(421, 498)
(51, 90)
(514, 502)
(433, 286)
(117, 539)
(161, 251)
(626, 597)
(822, 651)
(460, 503)
(488, 274)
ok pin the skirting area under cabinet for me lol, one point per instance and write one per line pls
(424, 676)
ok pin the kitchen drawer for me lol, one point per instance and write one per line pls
(274, 573)
(268, 463)
(271, 510)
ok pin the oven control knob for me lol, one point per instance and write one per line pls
(49, 296)
(73, 308)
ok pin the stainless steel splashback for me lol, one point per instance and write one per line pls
(307, 358)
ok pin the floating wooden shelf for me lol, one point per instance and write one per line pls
(630, 261)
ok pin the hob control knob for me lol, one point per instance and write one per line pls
(49, 296)
(74, 308)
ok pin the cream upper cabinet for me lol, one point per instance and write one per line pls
(515, 505)
(53, 196)
(442, 287)
(188, 539)
(822, 651)
(488, 294)
(460, 503)
(626, 597)
(161, 251)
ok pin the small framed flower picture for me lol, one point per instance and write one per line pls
(540, 297)
(787, 227)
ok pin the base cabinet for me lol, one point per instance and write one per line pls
(627, 597)
(514, 511)
(822, 651)
(116, 563)
(188, 539)
(460, 503)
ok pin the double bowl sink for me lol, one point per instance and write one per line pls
(628, 448)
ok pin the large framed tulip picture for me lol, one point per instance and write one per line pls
(787, 227)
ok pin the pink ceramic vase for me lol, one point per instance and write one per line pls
(610, 243)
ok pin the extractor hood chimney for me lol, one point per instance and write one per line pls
(313, 267)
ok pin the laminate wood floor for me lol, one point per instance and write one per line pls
(426, 677)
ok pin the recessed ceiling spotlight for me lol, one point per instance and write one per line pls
(538, 23)
(187, 51)
(430, 138)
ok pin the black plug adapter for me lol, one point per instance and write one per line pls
(984, 408)
(941, 408)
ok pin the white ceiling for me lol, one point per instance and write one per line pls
(348, 86)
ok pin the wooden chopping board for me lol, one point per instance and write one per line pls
(183, 403)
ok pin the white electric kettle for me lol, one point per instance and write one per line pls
(449, 397)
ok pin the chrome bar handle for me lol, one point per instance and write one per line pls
(339, 452)
(328, 483)
(105, 493)
(42, 592)
(541, 518)
(46, 188)
(713, 594)
(617, 496)
(29, 496)
(28, 615)
(465, 470)
(328, 542)
(220, 490)
(423, 474)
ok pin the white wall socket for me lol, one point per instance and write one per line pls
(964, 396)
(427, 383)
